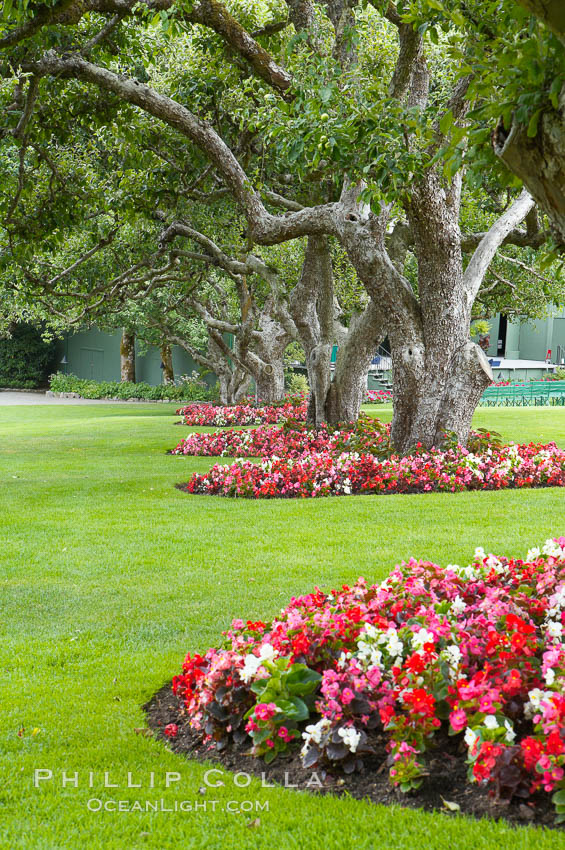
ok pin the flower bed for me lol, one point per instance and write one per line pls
(377, 397)
(294, 407)
(472, 653)
(293, 440)
(243, 414)
(329, 474)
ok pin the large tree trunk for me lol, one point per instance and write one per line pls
(436, 392)
(167, 363)
(233, 386)
(313, 310)
(439, 375)
(318, 360)
(311, 307)
(354, 356)
(270, 382)
(262, 352)
(127, 357)
(540, 162)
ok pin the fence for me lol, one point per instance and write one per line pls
(532, 394)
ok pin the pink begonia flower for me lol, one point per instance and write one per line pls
(265, 710)
(458, 720)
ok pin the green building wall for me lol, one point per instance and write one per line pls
(531, 340)
(95, 355)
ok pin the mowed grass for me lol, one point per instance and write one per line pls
(109, 576)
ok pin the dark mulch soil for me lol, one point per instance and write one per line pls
(447, 783)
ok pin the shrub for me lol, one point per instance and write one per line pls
(298, 384)
(25, 358)
(61, 383)
(475, 652)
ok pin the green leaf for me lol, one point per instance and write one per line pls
(458, 18)
(534, 123)
(302, 710)
(554, 91)
(300, 675)
(261, 735)
(270, 756)
(446, 122)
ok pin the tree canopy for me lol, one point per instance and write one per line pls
(282, 148)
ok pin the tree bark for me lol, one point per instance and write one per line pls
(167, 363)
(355, 353)
(262, 352)
(270, 382)
(313, 308)
(550, 12)
(233, 386)
(127, 357)
(436, 392)
(540, 163)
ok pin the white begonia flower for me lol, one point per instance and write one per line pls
(490, 722)
(350, 737)
(479, 553)
(554, 629)
(536, 696)
(394, 646)
(549, 676)
(253, 662)
(369, 654)
(533, 554)
(510, 733)
(369, 630)
(458, 606)
(452, 654)
(421, 637)
(314, 733)
(470, 736)
(551, 549)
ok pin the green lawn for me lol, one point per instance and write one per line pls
(109, 576)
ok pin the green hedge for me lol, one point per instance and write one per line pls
(187, 391)
(25, 359)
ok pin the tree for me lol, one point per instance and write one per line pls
(535, 152)
(350, 157)
(167, 363)
(127, 356)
